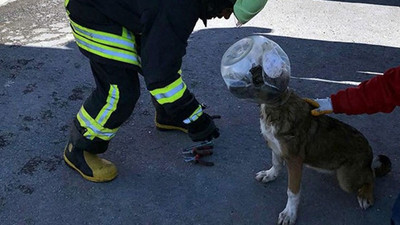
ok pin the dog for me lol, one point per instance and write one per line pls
(297, 138)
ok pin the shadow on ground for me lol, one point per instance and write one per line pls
(43, 88)
(374, 2)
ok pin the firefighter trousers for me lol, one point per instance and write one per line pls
(109, 105)
(114, 60)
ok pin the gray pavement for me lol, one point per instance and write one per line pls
(44, 80)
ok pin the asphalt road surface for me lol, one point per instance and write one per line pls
(44, 80)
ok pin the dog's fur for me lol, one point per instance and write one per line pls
(296, 138)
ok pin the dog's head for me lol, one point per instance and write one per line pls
(261, 89)
(257, 69)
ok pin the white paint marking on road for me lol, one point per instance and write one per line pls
(4, 2)
(370, 73)
(355, 83)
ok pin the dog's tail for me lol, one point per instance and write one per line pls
(381, 165)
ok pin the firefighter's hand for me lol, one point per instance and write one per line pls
(203, 129)
(322, 106)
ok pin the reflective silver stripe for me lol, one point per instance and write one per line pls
(171, 92)
(194, 116)
(109, 52)
(128, 35)
(94, 129)
(110, 104)
(128, 44)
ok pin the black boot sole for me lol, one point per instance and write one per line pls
(164, 127)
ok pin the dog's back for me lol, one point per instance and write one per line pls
(322, 141)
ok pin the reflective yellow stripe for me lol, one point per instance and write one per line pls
(124, 32)
(110, 106)
(195, 115)
(94, 129)
(106, 38)
(167, 88)
(65, 5)
(127, 34)
(170, 93)
(106, 45)
(106, 51)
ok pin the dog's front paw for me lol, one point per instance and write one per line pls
(287, 217)
(266, 176)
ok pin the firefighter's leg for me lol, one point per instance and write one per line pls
(164, 122)
(109, 105)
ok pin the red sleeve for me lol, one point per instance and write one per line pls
(379, 94)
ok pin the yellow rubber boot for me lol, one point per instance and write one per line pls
(90, 166)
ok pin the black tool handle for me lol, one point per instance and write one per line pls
(205, 163)
(203, 152)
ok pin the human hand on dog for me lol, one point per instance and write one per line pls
(322, 106)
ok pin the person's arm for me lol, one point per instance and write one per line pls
(379, 94)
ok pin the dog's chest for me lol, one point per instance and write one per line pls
(269, 134)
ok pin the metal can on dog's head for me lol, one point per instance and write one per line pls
(256, 68)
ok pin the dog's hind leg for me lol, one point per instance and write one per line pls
(360, 180)
(365, 195)
(271, 174)
(289, 215)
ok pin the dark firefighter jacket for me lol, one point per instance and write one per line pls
(161, 28)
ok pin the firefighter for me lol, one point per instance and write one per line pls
(124, 38)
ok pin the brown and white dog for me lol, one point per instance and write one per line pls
(322, 142)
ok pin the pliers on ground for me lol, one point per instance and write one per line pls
(195, 153)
